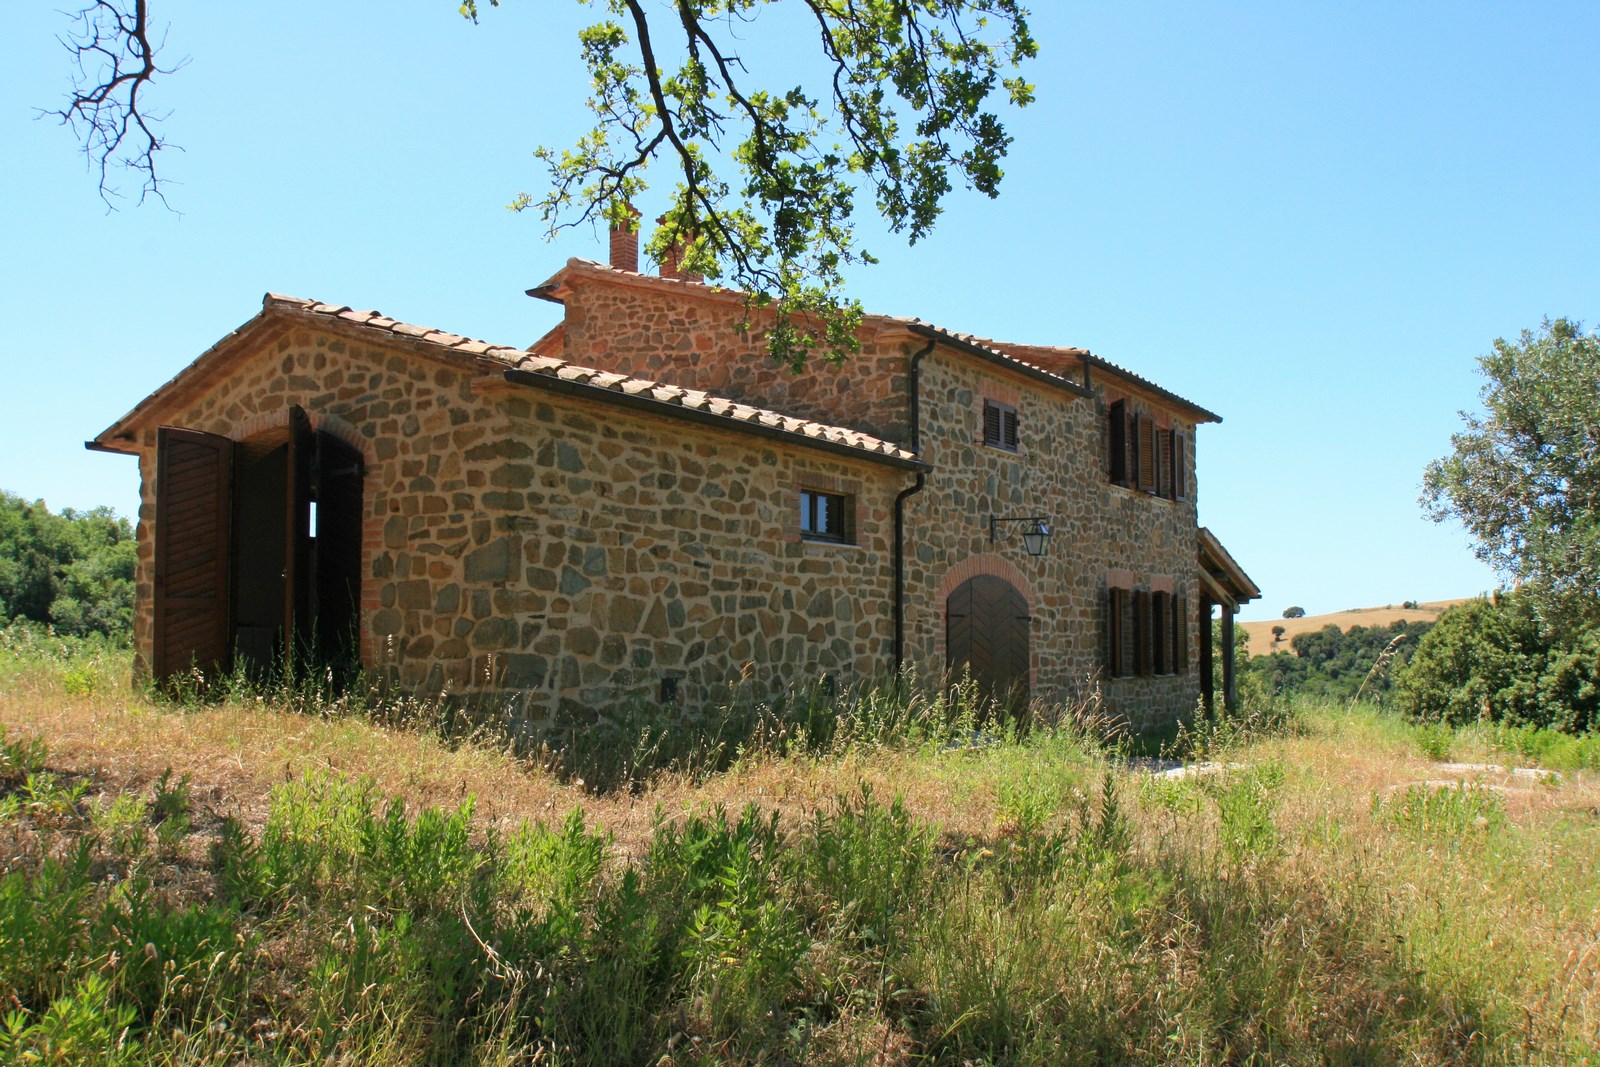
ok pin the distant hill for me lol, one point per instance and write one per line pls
(1261, 632)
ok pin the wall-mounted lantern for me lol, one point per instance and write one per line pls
(1035, 539)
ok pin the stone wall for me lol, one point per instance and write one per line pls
(687, 335)
(1060, 472)
(559, 551)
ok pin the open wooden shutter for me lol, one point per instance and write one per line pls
(194, 527)
(298, 611)
(1146, 427)
(1180, 478)
(991, 423)
(1120, 442)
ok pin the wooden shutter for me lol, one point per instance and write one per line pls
(1180, 470)
(1146, 427)
(1180, 629)
(1127, 660)
(194, 528)
(1168, 484)
(1000, 425)
(1120, 442)
(1141, 632)
(1160, 633)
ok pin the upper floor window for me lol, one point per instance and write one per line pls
(1144, 456)
(1000, 425)
(826, 516)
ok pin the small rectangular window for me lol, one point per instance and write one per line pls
(826, 516)
(1000, 425)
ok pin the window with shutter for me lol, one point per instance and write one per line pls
(1119, 441)
(1000, 425)
(1147, 453)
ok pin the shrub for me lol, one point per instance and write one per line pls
(1498, 661)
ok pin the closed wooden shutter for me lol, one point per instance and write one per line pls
(1168, 485)
(1180, 470)
(1180, 626)
(1141, 633)
(194, 527)
(991, 424)
(1160, 621)
(1119, 442)
(1147, 453)
(1000, 425)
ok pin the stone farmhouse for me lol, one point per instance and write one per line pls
(642, 506)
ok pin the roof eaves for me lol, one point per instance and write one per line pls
(1210, 546)
(973, 347)
(1142, 382)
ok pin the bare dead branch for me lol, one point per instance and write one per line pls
(114, 61)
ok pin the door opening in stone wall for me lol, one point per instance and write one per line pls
(258, 552)
(986, 635)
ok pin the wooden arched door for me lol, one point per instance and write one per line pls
(986, 632)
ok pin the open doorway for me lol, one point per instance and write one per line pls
(258, 552)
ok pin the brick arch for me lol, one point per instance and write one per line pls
(267, 422)
(990, 564)
(983, 564)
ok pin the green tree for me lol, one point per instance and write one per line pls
(1498, 660)
(902, 104)
(1524, 477)
(73, 571)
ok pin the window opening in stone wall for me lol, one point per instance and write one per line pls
(1000, 426)
(826, 516)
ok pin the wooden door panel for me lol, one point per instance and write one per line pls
(194, 510)
(987, 633)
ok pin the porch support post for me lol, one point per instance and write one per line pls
(1230, 695)
(1208, 678)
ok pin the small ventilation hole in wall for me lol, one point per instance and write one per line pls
(669, 690)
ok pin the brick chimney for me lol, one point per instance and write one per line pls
(671, 259)
(625, 244)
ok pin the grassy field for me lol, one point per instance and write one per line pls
(284, 880)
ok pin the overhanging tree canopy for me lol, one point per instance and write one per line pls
(766, 178)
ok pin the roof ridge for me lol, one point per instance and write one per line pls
(530, 362)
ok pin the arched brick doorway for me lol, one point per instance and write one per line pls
(986, 633)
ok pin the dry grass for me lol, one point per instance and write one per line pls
(1479, 945)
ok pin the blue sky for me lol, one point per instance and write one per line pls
(1308, 217)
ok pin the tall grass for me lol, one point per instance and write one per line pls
(920, 880)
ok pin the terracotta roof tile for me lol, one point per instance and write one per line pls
(996, 350)
(589, 378)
